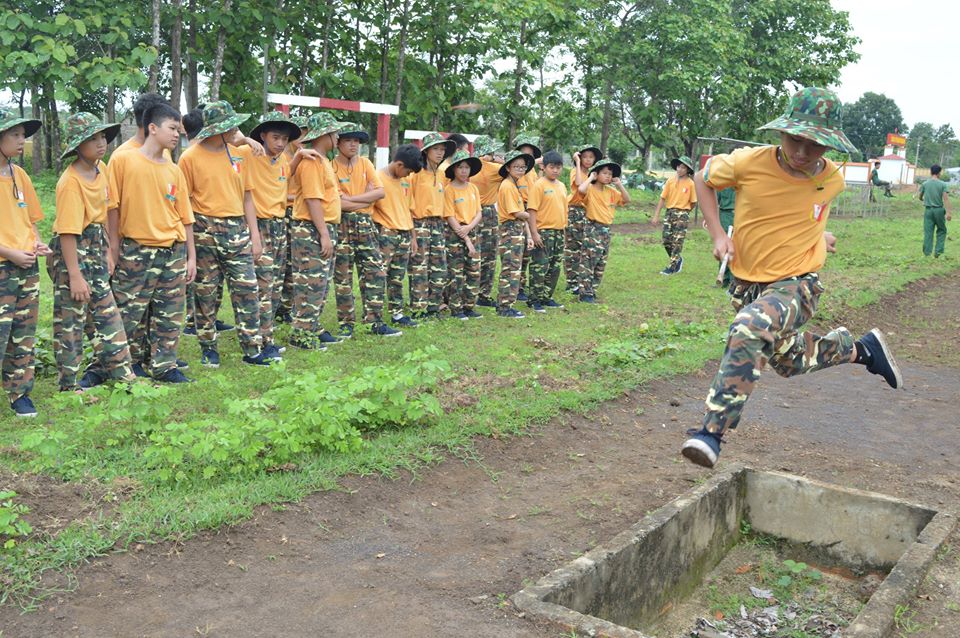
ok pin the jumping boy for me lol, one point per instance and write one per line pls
(784, 195)
(679, 196)
(357, 240)
(547, 205)
(513, 218)
(463, 214)
(78, 266)
(20, 247)
(488, 181)
(583, 160)
(394, 221)
(936, 211)
(602, 193)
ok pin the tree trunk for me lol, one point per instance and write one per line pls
(193, 90)
(176, 65)
(53, 154)
(324, 49)
(155, 42)
(517, 84)
(401, 56)
(267, 60)
(217, 75)
(110, 110)
(605, 131)
(37, 113)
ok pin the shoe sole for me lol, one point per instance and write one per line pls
(878, 334)
(699, 453)
(210, 365)
(396, 334)
(26, 416)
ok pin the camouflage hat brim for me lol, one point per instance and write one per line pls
(292, 129)
(596, 151)
(110, 130)
(820, 133)
(222, 127)
(536, 149)
(320, 132)
(450, 147)
(474, 162)
(613, 166)
(29, 126)
(686, 161)
(363, 136)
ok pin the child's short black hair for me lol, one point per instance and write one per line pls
(143, 104)
(409, 154)
(272, 127)
(877, 163)
(552, 157)
(458, 139)
(935, 169)
(157, 114)
(193, 122)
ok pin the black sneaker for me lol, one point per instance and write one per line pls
(346, 332)
(510, 313)
(183, 365)
(473, 314)
(383, 330)
(679, 266)
(190, 331)
(138, 370)
(210, 359)
(550, 303)
(262, 359)
(588, 299)
(91, 379)
(173, 375)
(882, 361)
(536, 306)
(404, 322)
(486, 302)
(24, 407)
(462, 316)
(668, 270)
(326, 338)
(522, 296)
(702, 448)
(223, 327)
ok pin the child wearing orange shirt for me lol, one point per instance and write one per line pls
(547, 205)
(463, 212)
(679, 196)
(583, 161)
(488, 181)
(600, 199)
(513, 216)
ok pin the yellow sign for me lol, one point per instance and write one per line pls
(893, 139)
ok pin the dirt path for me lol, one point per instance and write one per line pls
(434, 556)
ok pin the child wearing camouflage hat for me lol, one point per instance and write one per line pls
(285, 283)
(602, 193)
(575, 234)
(513, 217)
(547, 205)
(463, 213)
(226, 234)
(679, 196)
(488, 182)
(783, 202)
(529, 144)
(20, 247)
(78, 266)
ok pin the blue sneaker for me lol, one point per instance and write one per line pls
(588, 299)
(679, 266)
(259, 360)
(473, 314)
(462, 316)
(668, 270)
(190, 330)
(282, 316)
(173, 375)
(210, 359)
(183, 365)
(404, 322)
(138, 370)
(486, 302)
(346, 332)
(92, 378)
(550, 303)
(271, 353)
(881, 359)
(24, 407)
(536, 306)
(702, 448)
(383, 330)
(510, 313)
(223, 327)
(522, 296)
(326, 338)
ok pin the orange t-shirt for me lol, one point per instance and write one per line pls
(509, 201)
(21, 212)
(217, 183)
(395, 210)
(151, 198)
(353, 180)
(427, 194)
(600, 203)
(268, 178)
(462, 203)
(549, 199)
(133, 145)
(525, 183)
(81, 202)
(488, 181)
(780, 219)
(679, 193)
(576, 199)
(317, 181)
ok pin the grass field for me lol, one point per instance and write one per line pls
(504, 375)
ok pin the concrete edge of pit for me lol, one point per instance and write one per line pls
(532, 600)
(876, 619)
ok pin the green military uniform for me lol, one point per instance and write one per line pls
(726, 200)
(876, 181)
(932, 192)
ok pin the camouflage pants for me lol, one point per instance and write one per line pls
(99, 316)
(395, 251)
(593, 261)
(766, 329)
(464, 270)
(428, 268)
(487, 239)
(225, 252)
(545, 265)
(269, 268)
(285, 283)
(19, 306)
(358, 244)
(574, 236)
(675, 224)
(524, 267)
(149, 284)
(512, 242)
(311, 276)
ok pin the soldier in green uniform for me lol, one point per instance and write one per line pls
(936, 212)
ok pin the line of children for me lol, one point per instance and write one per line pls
(679, 196)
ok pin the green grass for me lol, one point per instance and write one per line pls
(509, 376)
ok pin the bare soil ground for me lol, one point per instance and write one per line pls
(438, 554)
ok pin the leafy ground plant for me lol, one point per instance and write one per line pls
(11, 523)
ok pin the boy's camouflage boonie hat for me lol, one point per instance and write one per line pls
(354, 131)
(484, 145)
(218, 118)
(432, 139)
(527, 139)
(9, 119)
(80, 127)
(299, 120)
(512, 155)
(816, 114)
(590, 147)
(276, 119)
(463, 156)
(686, 161)
(318, 125)
(613, 166)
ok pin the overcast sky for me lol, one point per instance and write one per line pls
(908, 53)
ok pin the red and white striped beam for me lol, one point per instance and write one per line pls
(284, 101)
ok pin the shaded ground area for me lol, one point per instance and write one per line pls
(437, 554)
